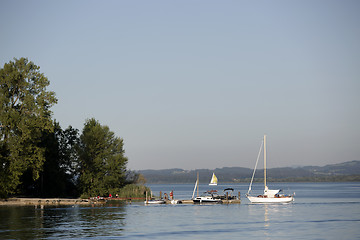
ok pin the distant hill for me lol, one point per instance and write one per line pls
(347, 171)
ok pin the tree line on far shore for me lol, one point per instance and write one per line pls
(340, 172)
(40, 159)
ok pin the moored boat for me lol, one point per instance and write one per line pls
(269, 196)
(208, 197)
(227, 194)
(175, 201)
(155, 201)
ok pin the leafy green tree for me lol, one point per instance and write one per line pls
(133, 177)
(24, 115)
(58, 177)
(102, 160)
(68, 141)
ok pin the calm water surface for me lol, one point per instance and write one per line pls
(320, 211)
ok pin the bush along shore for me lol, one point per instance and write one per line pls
(129, 192)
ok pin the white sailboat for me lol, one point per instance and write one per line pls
(196, 187)
(213, 181)
(207, 197)
(269, 196)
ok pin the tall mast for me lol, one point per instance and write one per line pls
(265, 161)
(197, 182)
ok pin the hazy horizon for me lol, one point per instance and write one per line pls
(261, 167)
(196, 84)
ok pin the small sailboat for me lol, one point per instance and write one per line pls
(196, 187)
(213, 181)
(206, 197)
(269, 196)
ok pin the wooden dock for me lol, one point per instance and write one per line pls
(102, 200)
(233, 201)
(226, 199)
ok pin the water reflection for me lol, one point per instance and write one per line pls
(28, 222)
(271, 217)
(334, 217)
(266, 217)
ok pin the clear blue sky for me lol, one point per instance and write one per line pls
(196, 84)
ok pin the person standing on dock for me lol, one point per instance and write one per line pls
(172, 195)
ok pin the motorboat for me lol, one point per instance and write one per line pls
(227, 194)
(175, 201)
(208, 197)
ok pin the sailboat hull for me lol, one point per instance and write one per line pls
(270, 199)
(269, 196)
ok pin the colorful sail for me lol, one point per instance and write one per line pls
(214, 180)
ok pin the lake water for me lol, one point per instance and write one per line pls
(320, 211)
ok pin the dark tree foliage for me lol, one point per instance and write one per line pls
(102, 160)
(58, 177)
(24, 115)
(38, 158)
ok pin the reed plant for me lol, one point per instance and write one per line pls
(133, 191)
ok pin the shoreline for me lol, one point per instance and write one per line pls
(45, 201)
(67, 201)
(23, 201)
